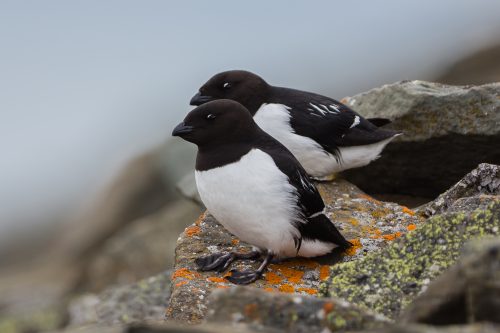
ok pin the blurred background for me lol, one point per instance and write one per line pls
(90, 91)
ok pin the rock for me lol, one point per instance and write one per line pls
(388, 280)
(485, 179)
(466, 293)
(368, 223)
(160, 328)
(290, 313)
(143, 248)
(143, 301)
(473, 328)
(448, 131)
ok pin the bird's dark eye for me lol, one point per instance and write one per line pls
(226, 85)
(210, 116)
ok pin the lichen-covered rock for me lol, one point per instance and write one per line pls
(290, 313)
(448, 131)
(485, 179)
(144, 301)
(368, 223)
(388, 280)
(467, 292)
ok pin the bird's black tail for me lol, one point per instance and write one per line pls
(322, 229)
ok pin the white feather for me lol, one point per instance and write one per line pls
(275, 120)
(254, 201)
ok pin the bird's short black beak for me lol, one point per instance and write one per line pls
(182, 129)
(200, 99)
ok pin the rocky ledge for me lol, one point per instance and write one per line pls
(368, 223)
(398, 253)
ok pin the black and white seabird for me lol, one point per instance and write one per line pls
(324, 135)
(256, 189)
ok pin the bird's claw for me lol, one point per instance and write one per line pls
(243, 277)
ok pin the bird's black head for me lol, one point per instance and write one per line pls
(216, 123)
(246, 88)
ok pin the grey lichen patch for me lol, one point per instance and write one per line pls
(387, 280)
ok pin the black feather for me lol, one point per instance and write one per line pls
(321, 228)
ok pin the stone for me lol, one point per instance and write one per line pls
(448, 131)
(386, 281)
(468, 292)
(473, 328)
(287, 312)
(140, 302)
(142, 248)
(485, 179)
(159, 328)
(369, 224)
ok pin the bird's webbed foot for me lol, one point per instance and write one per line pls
(221, 261)
(246, 277)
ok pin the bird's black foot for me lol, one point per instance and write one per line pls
(221, 261)
(243, 277)
(246, 277)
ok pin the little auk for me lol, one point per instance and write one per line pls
(325, 135)
(256, 189)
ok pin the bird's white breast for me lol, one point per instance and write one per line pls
(253, 200)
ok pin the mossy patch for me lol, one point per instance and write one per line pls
(387, 280)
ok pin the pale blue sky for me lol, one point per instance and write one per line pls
(85, 85)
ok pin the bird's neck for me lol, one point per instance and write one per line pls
(213, 156)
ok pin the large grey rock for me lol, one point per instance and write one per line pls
(468, 292)
(388, 280)
(370, 224)
(448, 131)
(140, 302)
(485, 179)
(290, 313)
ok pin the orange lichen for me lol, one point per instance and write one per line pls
(300, 262)
(353, 221)
(235, 241)
(216, 279)
(411, 227)
(310, 291)
(356, 244)
(287, 288)
(269, 289)
(367, 197)
(324, 272)
(220, 286)
(391, 237)
(408, 211)
(200, 218)
(273, 278)
(291, 274)
(181, 283)
(250, 310)
(185, 273)
(328, 307)
(193, 230)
